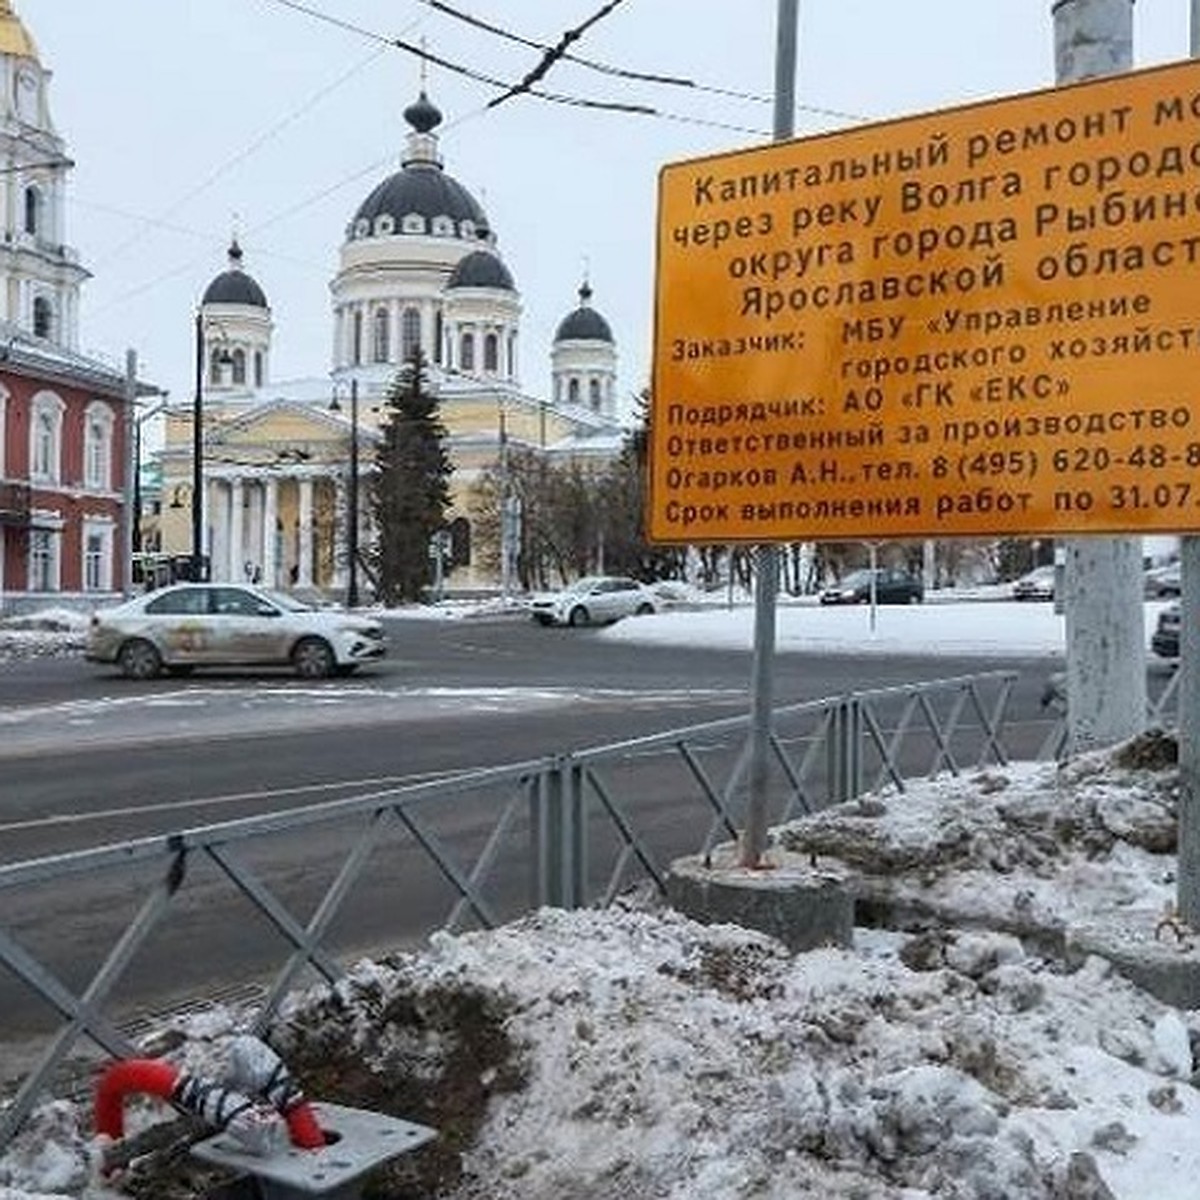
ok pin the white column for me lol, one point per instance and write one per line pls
(237, 528)
(269, 534)
(218, 516)
(304, 575)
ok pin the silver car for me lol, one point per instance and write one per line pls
(594, 600)
(194, 625)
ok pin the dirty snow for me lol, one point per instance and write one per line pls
(660, 1058)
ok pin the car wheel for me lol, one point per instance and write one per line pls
(139, 660)
(313, 659)
(182, 671)
(645, 610)
(578, 616)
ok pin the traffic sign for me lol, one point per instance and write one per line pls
(983, 321)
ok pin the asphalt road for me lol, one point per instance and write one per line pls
(88, 758)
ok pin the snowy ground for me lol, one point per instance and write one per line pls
(634, 1053)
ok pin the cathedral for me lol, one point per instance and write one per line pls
(419, 266)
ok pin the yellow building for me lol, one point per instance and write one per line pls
(418, 266)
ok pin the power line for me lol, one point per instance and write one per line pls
(555, 52)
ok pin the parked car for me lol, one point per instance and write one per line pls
(1165, 639)
(893, 585)
(190, 625)
(594, 600)
(1164, 581)
(1037, 584)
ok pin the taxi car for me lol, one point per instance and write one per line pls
(190, 625)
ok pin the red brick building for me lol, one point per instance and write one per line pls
(64, 463)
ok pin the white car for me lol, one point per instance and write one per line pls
(594, 600)
(191, 625)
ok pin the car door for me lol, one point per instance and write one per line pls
(247, 628)
(176, 622)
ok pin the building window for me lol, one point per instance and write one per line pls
(594, 394)
(466, 352)
(258, 368)
(381, 340)
(33, 210)
(491, 353)
(45, 455)
(215, 362)
(439, 332)
(43, 560)
(573, 391)
(97, 448)
(410, 328)
(97, 559)
(557, 390)
(356, 343)
(512, 356)
(239, 366)
(3, 428)
(43, 317)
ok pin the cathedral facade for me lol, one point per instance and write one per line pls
(419, 266)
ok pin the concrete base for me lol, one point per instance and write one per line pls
(1147, 951)
(788, 899)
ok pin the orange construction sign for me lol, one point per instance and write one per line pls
(977, 322)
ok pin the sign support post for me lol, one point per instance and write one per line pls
(766, 572)
(1188, 871)
(1103, 581)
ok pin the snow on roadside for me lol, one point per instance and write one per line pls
(653, 1057)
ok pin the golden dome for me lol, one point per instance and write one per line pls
(14, 37)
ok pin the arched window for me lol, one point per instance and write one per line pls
(466, 352)
(356, 341)
(512, 356)
(573, 391)
(491, 353)
(33, 210)
(97, 447)
(45, 438)
(216, 360)
(258, 368)
(594, 394)
(460, 541)
(239, 366)
(43, 317)
(438, 334)
(381, 342)
(410, 329)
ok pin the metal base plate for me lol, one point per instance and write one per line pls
(362, 1140)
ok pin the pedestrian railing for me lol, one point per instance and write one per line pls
(571, 830)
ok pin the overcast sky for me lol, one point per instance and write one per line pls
(180, 115)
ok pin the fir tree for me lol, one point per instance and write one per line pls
(410, 486)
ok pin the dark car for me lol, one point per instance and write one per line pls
(892, 586)
(1165, 641)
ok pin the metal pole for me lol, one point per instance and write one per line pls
(754, 837)
(506, 554)
(1188, 872)
(132, 492)
(352, 522)
(198, 455)
(1103, 577)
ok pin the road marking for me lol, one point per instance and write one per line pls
(215, 801)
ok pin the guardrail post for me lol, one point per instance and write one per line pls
(559, 832)
(844, 747)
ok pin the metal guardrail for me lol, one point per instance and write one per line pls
(583, 827)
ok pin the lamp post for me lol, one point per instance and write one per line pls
(198, 455)
(352, 499)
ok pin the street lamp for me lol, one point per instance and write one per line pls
(352, 501)
(223, 359)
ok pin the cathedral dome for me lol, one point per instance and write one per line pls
(234, 286)
(420, 188)
(14, 37)
(479, 269)
(584, 324)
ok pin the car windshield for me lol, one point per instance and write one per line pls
(583, 585)
(856, 579)
(1040, 573)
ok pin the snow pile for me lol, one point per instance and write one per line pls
(44, 634)
(634, 1053)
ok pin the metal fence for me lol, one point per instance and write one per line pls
(325, 881)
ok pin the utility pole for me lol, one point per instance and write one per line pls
(1103, 577)
(1188, 871)
(352, 503)
(132, 492)
(754, 836)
